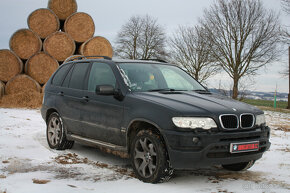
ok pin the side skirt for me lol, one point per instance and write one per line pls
(108, 147)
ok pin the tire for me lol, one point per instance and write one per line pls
(149, 158)
(239, 166)
(55, 133)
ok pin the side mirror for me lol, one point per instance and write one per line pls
(105, 90)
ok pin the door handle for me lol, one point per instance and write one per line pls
(85, 99)
(60, 93)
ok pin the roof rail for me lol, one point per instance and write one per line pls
(86, 57)
(156, 59)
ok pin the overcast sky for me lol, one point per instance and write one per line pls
(110, 15)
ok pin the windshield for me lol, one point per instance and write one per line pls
(142, 77)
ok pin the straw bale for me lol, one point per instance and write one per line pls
(59, 45)
(63, 8)
(40, 67)
(97, 46)
(23, 99)
(2, 89)
(43, 22)
(43, 88)
(21, 83)
(80, 26)
(10, 65)
(25, 43)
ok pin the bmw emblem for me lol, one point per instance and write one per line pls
(234, 109)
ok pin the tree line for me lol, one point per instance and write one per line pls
(235, 36)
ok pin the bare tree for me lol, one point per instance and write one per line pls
(189, 49)
(243, 36)
(141, 38)
(285, 30)
(286, 6)
(286, 35)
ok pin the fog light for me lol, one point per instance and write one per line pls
(195, 140)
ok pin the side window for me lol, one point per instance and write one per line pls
(78, 75)
(59, 76)
(101, 74)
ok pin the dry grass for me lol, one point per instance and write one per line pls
(283, 128)
(2, 176)
(37, 181)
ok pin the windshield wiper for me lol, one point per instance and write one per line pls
(164, 89)
(201, 91)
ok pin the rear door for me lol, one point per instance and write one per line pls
(102, 115)
(72, 93)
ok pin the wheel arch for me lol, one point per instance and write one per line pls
(138, 124)
(49, 112)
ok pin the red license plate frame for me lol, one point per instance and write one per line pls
(244, 147)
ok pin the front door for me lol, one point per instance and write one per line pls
(102, 116)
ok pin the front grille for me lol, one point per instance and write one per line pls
(229, 121)
(247, 121)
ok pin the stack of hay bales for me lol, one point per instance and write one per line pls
(54, 34)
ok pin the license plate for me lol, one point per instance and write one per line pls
(244, 147)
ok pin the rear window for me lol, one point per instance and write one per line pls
(59, 75)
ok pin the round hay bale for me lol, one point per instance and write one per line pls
(25, 43)
(40, 67)
(10, 65)
(43, 88)
(43, 22)
(80, 26)
(2, 89)
(24, 99)
(63, 8)
(59, 45)
(72, 58)
(21, 83)
(97, 46)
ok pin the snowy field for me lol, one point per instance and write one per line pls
(28, 165)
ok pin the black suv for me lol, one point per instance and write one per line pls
(152, 112)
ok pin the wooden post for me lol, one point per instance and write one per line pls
(289, 80)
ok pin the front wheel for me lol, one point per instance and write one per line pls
(149, 158)
(239, 166)
(55, 133)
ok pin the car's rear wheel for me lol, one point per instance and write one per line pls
(239, 166)
(149, 158)
(55, 133)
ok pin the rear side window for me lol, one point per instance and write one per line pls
(101, 74)
(78, 75)
(65, 82)
(60, 74)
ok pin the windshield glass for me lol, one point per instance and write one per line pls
(142, 77)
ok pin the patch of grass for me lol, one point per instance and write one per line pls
(266, 103)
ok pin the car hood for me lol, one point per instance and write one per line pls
(192, 103)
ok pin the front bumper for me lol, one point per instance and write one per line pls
(213, 148)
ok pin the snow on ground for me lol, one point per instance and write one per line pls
(28, 165)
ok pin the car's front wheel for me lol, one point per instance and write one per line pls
(149, 158)
(55, 133)
(239, 166)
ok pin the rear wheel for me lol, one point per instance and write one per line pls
(55, 133)
(149, 158)
(239, 166)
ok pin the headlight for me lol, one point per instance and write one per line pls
(194, 122)
(260, 119)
